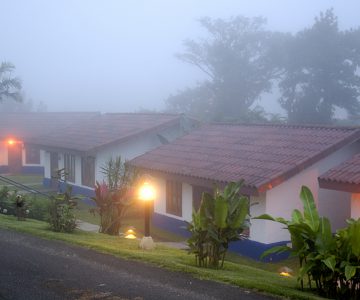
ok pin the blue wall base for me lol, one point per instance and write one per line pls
(88, 193)
(244, 247)
(170, 224)
(38, 170)
(4, 169)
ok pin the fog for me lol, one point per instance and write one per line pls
(120, 55)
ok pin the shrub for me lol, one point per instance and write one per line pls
(221, 218)
(39, 208)
(330, 261)
(61, 216)
(114, 196)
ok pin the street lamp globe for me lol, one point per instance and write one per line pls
(147, 194)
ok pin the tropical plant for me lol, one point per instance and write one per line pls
(221, 219)
(332, 262)
(114, 195)
(61, 216)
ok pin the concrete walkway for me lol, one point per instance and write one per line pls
(85, 226)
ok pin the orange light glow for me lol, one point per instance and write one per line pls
(147, 192)
(11, 142)
(130, 234)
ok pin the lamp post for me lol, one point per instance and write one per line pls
(147, 194)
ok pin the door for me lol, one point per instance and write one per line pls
(15, 158)
(54, 167)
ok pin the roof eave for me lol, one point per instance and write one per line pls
(339, 186)
(198, 181)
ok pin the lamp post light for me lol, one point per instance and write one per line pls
(147, 194)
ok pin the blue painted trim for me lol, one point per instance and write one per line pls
(76, 190)
(170, 224)
(256, 249)
(46, 182)
(4, 169)
(245, 247)
(39, 170)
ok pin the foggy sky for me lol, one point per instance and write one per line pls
(82, 55)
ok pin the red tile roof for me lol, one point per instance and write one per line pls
(344, 177)
(26, 126)
(106, 129)
(262, 155)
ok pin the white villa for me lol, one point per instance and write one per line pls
(274, 161)
(84, 147)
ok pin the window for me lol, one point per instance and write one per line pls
(197, 192)
(32, 155)
(174, 198)
(88, 171)
(69, 165)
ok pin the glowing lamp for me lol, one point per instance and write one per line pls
(11, 142)
(130, 234)
(147, 192)
(285, 272)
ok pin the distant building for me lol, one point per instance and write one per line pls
(84, 147)
(273, 160)
(19, 129)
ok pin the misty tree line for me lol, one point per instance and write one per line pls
(315, 71)
(11, 99)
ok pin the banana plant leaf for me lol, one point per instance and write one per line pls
(241, 213)
(220, 212)
(275, 250)
(270, 218)
(311, 215)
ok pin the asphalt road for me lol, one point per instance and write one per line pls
(33, 268)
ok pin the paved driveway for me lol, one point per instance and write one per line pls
(33, 268)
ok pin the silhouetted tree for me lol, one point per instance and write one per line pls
(321, 72)
(235, 58)
(9, 86)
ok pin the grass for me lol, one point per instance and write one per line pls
(30, 180)
(245, 273)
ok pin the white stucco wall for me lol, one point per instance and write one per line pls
(257, 208)
(132, 148)
(282, 199)
(355, 206)
(160, 201)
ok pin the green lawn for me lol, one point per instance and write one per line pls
(31, 181)
(244, 273)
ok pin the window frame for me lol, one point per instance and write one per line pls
(32, 155)
(88, 171)
(174, 198)
(70, 167)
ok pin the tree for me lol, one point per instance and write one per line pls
(235, 59)
(321, 72)
(9, 86)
